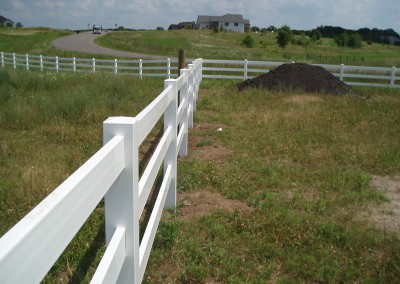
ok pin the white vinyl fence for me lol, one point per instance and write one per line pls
(351, 75)
(143, 68)
(33, 245)
(215, 69)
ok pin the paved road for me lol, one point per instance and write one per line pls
(83, 42)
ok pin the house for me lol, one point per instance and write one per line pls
(6, 22)
(228, 22)
(390, 39)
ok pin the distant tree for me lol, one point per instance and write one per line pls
(354, 40)
(315, 35)
(160, 28)
(341, 40)
(120, 28)
(284, 36)
(271, 29)
(248, 41)
(18, 25)
(9, 25)
(255, 29)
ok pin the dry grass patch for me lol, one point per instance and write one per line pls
(303, 100)
(387, 215)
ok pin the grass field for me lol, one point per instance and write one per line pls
(228, 45)
(299, 169)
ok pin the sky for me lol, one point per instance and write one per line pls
(141, 14)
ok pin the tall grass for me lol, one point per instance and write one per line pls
(51, 124)
(228, 45)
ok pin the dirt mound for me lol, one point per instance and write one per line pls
(298, 76)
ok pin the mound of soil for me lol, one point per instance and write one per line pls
(298, 76)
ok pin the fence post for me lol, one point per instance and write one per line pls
(245, 69)
(14, 61)
(2, 59)
(341, 72)
(184, 97)
(41, 62)
(192, 94)
(115, 66)
(93, 65)
(121, 200)
(393, 76)
(170, 120)
(169, 68)
(140, 68)
(74, 64)
(27, 61)
(57, 64)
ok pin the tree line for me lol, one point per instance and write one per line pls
(343, 37)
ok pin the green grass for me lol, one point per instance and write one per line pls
(228, 45)
(303, 163)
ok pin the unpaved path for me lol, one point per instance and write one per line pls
(83, 42)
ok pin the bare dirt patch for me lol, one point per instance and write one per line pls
(205, 201)
(212, 152)
(387, 215)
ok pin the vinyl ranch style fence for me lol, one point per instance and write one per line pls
(143, 68)
(33, 245)
(215, 69)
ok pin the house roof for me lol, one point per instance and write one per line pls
(3, 20)
(236, 18)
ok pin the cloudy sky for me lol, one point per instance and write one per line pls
(142, 14)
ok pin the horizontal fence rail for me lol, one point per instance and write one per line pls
(214, 69)
(33, 245)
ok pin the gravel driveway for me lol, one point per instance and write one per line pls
(83, 42)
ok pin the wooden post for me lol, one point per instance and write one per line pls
(181, 61)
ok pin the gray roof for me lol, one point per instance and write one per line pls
(225, 18)
(3, 20)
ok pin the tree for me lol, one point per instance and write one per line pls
(284, 36)
(255, 29)
(354, 41)
(341, 40)
(315, 35)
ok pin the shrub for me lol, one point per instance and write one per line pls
(248, 41)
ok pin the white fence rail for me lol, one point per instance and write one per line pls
(216, 69)
(31, 247)
(351, 75)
